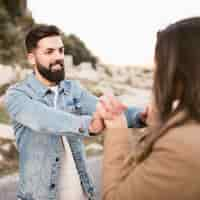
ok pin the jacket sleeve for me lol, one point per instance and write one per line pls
(89, 102)
(41, 118)
(133, 117)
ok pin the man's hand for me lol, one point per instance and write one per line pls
(97, 124)
(107, 108)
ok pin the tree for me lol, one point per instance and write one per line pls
(15, 21)
(75, 47)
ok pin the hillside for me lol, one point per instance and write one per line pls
(15, 21)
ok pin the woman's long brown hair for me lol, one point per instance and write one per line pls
(177, 73)
(177, 76)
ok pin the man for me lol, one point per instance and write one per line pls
(50, 117)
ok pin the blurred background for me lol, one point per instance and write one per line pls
(109, 47)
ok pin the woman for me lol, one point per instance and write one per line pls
(163, 162)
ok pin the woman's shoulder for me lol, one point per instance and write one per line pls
(183, 139)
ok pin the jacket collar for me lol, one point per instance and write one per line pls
(42, 90)
(143, 142)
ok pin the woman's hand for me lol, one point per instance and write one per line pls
(118, 121)
(112, 111)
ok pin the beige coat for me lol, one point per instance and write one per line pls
(170, 172)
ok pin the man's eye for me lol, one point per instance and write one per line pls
(61, 50)
(49, 52)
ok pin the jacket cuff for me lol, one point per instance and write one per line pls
(133, 116)
(85, 123)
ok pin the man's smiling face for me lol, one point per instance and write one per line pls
(48, 58)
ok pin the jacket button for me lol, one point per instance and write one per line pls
(81, 130)
(52, 186)
(57, 159)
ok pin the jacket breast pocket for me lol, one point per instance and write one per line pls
(73, 106)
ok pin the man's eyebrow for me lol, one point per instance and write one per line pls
(61, 47)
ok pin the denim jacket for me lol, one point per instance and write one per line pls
(37, 127)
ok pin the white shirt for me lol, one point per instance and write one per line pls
(69, 186)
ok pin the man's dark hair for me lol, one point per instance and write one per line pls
(177, 59)
(37, 33)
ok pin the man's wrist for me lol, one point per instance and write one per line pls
(96, 126)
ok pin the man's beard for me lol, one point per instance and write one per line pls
(48, 73)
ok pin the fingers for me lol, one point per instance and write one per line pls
(96, 126)
(103, 112)
(116, 103)
(96, 115)
(109, 106)
(105, 101)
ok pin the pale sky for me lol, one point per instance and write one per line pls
(117, 31)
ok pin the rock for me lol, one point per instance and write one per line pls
(9, 75)
(97, 91)
(5, 147)
(101, 88)
(8, 156)
(22, 73)
(94, 149)
(6, 132)
(3, 88)
(8, 151)
(120, 75)
(137, 97)
(1, 158)
(108, 70)
(88, 73)
(141, 82)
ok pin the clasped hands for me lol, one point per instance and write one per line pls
(109, 114)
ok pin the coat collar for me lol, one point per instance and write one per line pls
(144, 141)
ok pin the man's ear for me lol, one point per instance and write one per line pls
(31, 59)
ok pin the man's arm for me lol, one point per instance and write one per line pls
(89, 104)
(42, 118)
